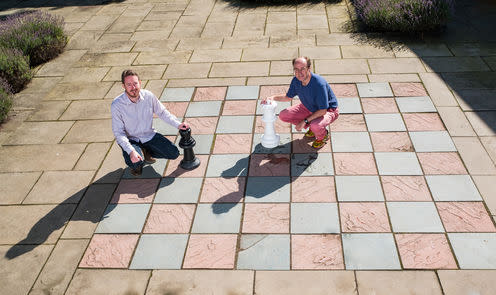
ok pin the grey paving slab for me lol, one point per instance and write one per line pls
(378, 89)
(123, 218)
(284, 146)
(414, 217)
(155, 170)
(108, 281)
(235, 124)
(351, 142)
(203, 108)
(177, 94)
(16, 186)
(242, 92)
(432, 141)
(311, 164)
(314, 218)
(271, 189)
(178, 190)
(415, 104)
(159, 251)
(384, 122)
(370, 251)
(264, 252)
(359, 188)
(452, 188)
(227, 165)
(404, 163)
(217, 218)
(163, 128)
(474, 250)
(349, 105)
(203, 144)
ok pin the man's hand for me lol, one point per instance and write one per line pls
(135, 157)
(183, 126)
(300, 125)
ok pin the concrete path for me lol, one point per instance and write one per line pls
(400, 201)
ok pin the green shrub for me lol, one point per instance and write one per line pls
(14, 68)
(5, 99)
(39, 35)
(404, 15)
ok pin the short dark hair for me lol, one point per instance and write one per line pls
(126, 73)
(308, 60)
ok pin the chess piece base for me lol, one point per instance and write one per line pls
(270, 141)
(190, 165)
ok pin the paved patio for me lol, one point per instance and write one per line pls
(400, 201)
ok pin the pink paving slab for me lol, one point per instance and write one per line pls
(379, 105)
(223, 190)
(355, 164)
(344, 90)
(408, 89)
(310, 189)
(391, 142)
(232, 144)
(425, 251)
(303, 145)
(316, 252)
(441, 163)
(202, 125)
(239, 107)
(364, 217)
(465, 217)
(132, 191)
(266, 218)
(210, 93)
(178, 109)
(349, 123)
(210, 251)
(170, 218)
(266, 91)
(112, 251)
(423, 122)
(269, 165)
(405, 188)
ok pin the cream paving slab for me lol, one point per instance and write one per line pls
(474, 156)
(15, 186)
(157, 45)
(485, 184)
(252, 81)
(85, 74)
(199, 43)
(194, 70)
(393, 78)
(49, 111)
(99, 22)
(337, 39)
(93, 156)
(87, 109)
(340, 66)
(459, 282)
(199, 282)
(241, 69)
(305, 282)
(106, 59)
(109, 45)
(206, 82)
(108, 281)
(27, 157)
(58, 271)
(398, 282)
(321, 52)
(246, 42)
(61, 64)
(470, 80)
(217, 29)
(473, 49)
(489, 144)
(281, 17)
(90, 131)
(157, 34)
(125, 24)
(455, 121)
(152, 72)
(57, 187)
(454, 64)
(216, 55)
(437, 90)
(312, 21)
(41, 84)
(17, 275)
(491, 62)
(482, 122)
(278, 68)
(475, 99)
(78, 90)
(421, 50)
(292, 41)
(365, 51)
(40, 133)
(396, 65)
(112, 167)
(264, 54)
(346, 78)
(40, 224)
(162, 57)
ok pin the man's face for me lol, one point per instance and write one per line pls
(132, 86)
(301, 71)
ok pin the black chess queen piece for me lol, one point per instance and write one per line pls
(190, 161)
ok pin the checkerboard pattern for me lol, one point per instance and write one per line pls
(388, 191)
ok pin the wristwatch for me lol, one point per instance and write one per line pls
(306, 121)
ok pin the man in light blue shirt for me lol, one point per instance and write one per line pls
(132, 118)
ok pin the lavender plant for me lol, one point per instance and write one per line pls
(39, 35)
(5, 99)
(14, 68)
(404, 15)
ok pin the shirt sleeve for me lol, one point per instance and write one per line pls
(119, 130)
(163, 113)
(292, 89)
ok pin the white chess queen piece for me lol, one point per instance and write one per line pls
(269, 139)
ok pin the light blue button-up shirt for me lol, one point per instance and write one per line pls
(133, 121)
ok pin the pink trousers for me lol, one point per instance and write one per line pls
(295, 114)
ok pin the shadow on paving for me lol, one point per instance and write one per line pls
(264, 185)
(19, 4)
(89, 208)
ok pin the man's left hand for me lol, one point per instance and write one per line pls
(300, 126)
(183, 126)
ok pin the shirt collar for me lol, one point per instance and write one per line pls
(128, 101)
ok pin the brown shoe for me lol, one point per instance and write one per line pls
(148, 158)
(137, 171)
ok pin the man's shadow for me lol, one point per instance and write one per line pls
(264, 159)
(88, 204)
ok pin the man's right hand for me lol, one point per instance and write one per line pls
(267, 100)
(135, 157)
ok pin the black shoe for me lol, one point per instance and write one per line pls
(137, 171)
(148, 158)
